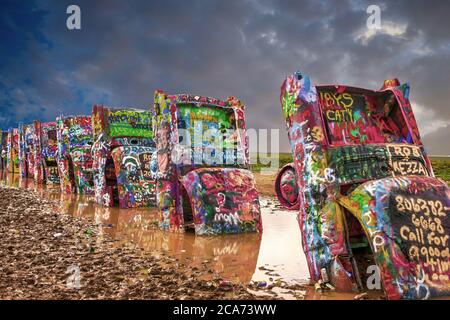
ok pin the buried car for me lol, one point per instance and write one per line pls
(12, 151)
(203, 177)
(74, 154)
(26, 150)
(3, 142)
(45, 152)
(369, 205)
(4, 151)
(122, 152)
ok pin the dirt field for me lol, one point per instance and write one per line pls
(265, 183)
(43, 251)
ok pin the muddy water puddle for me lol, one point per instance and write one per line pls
(272, 259)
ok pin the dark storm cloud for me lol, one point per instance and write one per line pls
(127, 49)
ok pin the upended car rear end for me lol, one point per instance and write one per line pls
(203, 176)
(74, 154)
(26, 150)
(122, 154)
(371, 212)
(45, 152)
(3, 147)
(12, 148)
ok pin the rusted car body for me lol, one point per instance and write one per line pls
(122, 152)
(369, 204)
(75, 142)
(45, 152)
(202, 161)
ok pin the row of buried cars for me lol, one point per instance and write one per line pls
(361, 180)
(187, 156)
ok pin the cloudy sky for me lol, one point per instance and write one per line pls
(127, 49)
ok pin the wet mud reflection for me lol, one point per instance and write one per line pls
(275, 256)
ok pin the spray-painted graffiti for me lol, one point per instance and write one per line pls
(224, 200)
(364, 162)
(74, 154)
(45, 152)
(202, 164)
(12, 151)
(122, 157)
(408, 225)
(128, 123)
(3, 144)
(26, 150)
(22, 152)
(286, 187)
(358, 157)
(357, 116)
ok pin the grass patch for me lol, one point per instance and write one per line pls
(441, 169)
(283, 158)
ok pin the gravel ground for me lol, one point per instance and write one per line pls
(41, 250)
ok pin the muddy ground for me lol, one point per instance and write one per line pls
(44, 251)
(265, 183)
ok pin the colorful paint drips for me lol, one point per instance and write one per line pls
(122, 153)
(202, 164)
(365, 183)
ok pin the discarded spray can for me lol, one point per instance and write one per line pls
(318, 287)
(324, 275)
(330, 287)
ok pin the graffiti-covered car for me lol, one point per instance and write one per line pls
(26, 150)
(74, 154)
(3, 142)
(203, 176)
(12, 151)
(122, 152)
(45, 152)
(369, 205)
